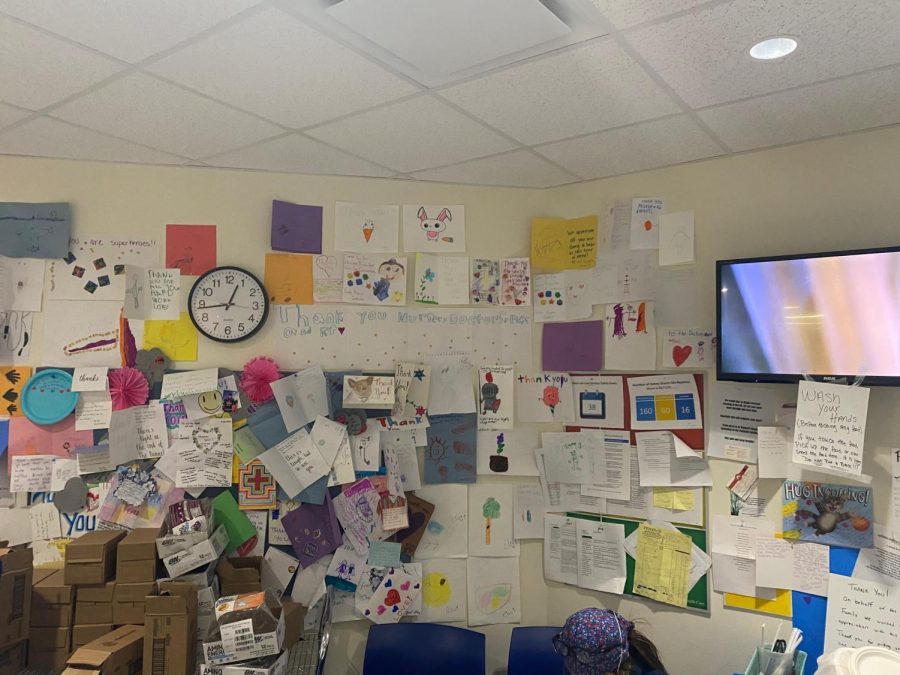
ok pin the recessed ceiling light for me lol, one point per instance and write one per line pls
(773, 48)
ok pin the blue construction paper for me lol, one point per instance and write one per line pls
(450, 453)
(809, 610)
(267, 425)
(383, 554)
(334, 385)
(4, 436)
(34, 230)
(315, 493)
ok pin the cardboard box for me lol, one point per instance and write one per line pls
(128, 602)
(197, 555)
(294, 615)
(91, 559)
(86, 633)
(269, 665)
(170, 628)
(247, 629)
(94, 603)
(117, 653)
(13, 659)
(46, 659)
(52, 600)
(136, 556)
(59, 637)
(201, 577)
(240, 575)
(16, 573)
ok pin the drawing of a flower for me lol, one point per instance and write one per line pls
(551, 397)
(397, 296)
(429, 275)
(490, 510)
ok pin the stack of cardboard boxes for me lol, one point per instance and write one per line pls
(52, 614)
(15, 608)
(135, 576)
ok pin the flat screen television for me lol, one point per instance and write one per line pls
(828, 315)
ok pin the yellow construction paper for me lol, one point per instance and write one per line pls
(289, 279)
(662, 565)
(673, 499)
(780, 606)
(176, 339)
(560, 244)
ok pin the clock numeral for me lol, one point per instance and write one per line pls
(256, 304)
(207, 291)
(227, 330)
(216, 325)
(251, 319)
(217, 283)
(252, 292)
(201, 304)
(241, 327)
(204, 317)
(229, 278)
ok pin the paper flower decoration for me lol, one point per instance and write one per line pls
(257, 378)
(127, 387)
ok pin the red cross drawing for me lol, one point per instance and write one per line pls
(258, 479)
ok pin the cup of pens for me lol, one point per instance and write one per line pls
(775, 663)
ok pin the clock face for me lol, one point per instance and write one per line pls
(228, 304)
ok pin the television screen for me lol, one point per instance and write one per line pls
(830, 314)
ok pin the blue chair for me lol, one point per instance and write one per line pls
(531, 652)
(416, 648)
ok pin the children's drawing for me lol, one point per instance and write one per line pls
(368, 392)
(515, 281)
(34, 230)
(443, 590)
(490, 510)
(645, 222)
(484, 285)
(362, 228)
(493, 590)
(94, 267)
(630, 339)
(15, 336)
(394, 597)
(434, 228)
(374, 281)
(441, 280)
(176, 339)
(12, 380)
(493, 597)
(191, 249)
(545, 397)
(688, 348)
(411, 387)
(450, 453)
(495, 397)
(289, 279)
(81, 333)
(256, 486)
(508, 452)
(327, 278)
(492, 534)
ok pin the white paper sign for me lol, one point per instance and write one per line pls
(152, 293)
(645, 213)
(661, 467)
(176, 385)
(361, 228)
(676, 238)
(664, 402)
(599, 401)
(301, 397)
(737, 411)
(31, 473)
(831, 426)
(93, 410)
(895, 487)
(861, 613)
(90, 379)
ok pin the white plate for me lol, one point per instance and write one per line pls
(874, 661)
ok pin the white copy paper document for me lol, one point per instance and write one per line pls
(661, 467)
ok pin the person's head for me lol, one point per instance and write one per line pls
(391, 269)
(597, 641)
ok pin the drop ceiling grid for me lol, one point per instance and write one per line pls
(546, 110)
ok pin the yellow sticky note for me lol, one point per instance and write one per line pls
(289, 279)
(560, 244)
(673, 499)
(176, 339)
(780, 606)
(662, 565)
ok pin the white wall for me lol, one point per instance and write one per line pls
(834, 194)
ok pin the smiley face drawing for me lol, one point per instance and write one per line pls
(210, 402)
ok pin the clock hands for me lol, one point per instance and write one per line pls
(231, 299)
(226, 305)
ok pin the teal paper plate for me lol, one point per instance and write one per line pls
(47, 397)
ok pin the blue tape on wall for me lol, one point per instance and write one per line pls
(809, 610)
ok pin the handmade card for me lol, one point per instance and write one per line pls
(688, 348)
(368, 392)
(411, 386)
(630, 336)
(140, 432)
(366, 450)
(402, 446)
(289, 279)
(366, 228)
(345, 569)
(15, 327)
(420, 512)
(494, 594)
(444, 596)
(57, 440)
(515, 281)
(204, 453)
(328, 282)
(676, 238)
(484, 283)
(301, 396)
(357, 511)
(491, 521)
(21, 284)
(509, 452)
(826, 513)
(451, 385)
(295, 463)
(441, 280)
(256, 486)
(80, 333)
(374, 280)
(191, 249)
(645, 213)
(447, 533)
(560, 244)
(34, 230)
(94, 267)
(434, 228)
(495, 398)
(151, 293)
(12, 379)
(313, 531)
(296, 228)
(450, 453)
(176, 339)
(394, 597)
(544, 397)
(562, 296)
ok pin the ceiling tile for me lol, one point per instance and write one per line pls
(704, 56)
(854, 103)
(37, 70)
(297, 154)
(636, 148)
(130, 30)
(274, 65)
(146, 110)
(47, 137)
(590, 88)
(8, 115)
(625, 13)
(412, 135)
(519, 168)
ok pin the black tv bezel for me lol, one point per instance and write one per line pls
(791, 378)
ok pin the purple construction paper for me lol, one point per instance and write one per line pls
(575, 347)
(313, 530)
(296, 228)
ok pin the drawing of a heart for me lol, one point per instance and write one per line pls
(206, 438)
(404, 586)
(807, 599)
(289, 400)
(380, 610)
(327, 263)
(388, 583)
(341, 330)
(680, 354)
(392, 597)
(648, 225)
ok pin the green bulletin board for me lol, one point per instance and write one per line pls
(698, 597)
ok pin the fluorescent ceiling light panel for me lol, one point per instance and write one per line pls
(442, 37)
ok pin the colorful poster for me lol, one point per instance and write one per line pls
(664, 402)
(289, 279)
(826, 513)
(560, 244)
(630, 337)
(366, 228)
(191, 248)
(450, 453)
(434, 228)
(374, 280)
(296, 228)
(94, 267)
